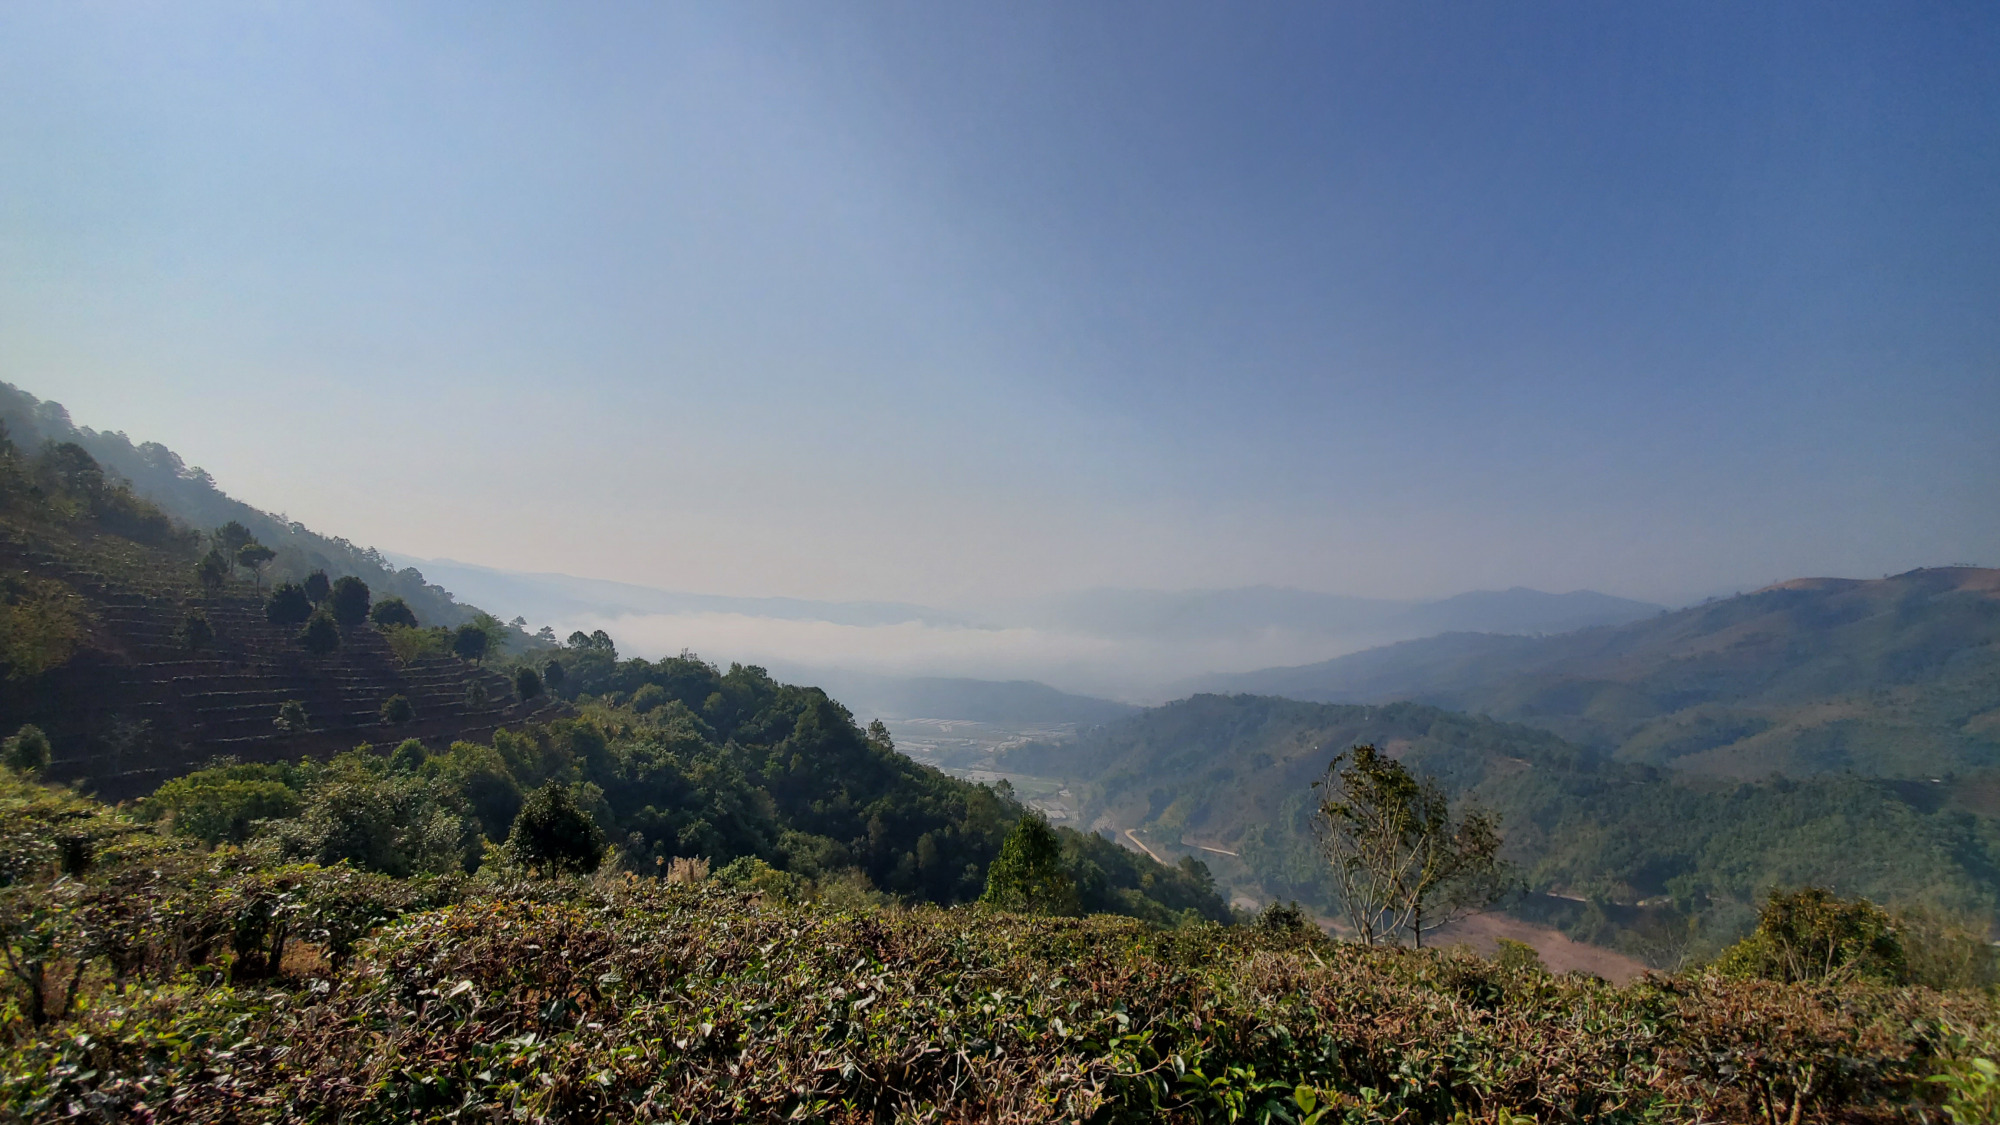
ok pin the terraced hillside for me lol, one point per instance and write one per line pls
(125, 698)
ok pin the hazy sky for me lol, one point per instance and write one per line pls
(938, 302)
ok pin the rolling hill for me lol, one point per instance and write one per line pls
(1627, 854)
(1891, 677)
(189, 495)
(100, 590)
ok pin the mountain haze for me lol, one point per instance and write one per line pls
(1895, 677)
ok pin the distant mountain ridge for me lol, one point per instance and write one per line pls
(549, 596)
(1896, 677)
(1209, 614)
(955, 697)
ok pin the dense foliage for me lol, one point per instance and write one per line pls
(1594, 838)
(695, 763)
(152, 979)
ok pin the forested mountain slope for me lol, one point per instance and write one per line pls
(145, 660)
(189, 495)
(1601, 836)
(139, 672)
(1892, 677)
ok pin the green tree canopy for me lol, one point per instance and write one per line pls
(392, 612)
(527, 684)
(1812, 934)
(470, 642)
(287, 605)
(320, 636)
(252, 556)
(232, 537)
(318, 586)
(553, 835)
(348, 602)
(1029, 873)
(212, 571)
(291, 716)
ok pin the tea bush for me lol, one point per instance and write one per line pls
(154, 980)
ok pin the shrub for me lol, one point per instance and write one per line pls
(397, 710)
(40, 625)
(409, 755)
(393, 612)
(291, 716)
(1945, 952)
(212, 571)
(320, 636)
(380, 820)
(223, 804)
(414, 644)
(195, 632)
(288, 605)
(348, 602)
(687, 869)
(27, 751)
(318, 586)
(527, 684)
(553, 675)
(1812, 934)
(1518, 956)
(553, 835)
(470, 642)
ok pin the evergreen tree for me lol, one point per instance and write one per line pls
(392, 612)
(287, 605)
(253, 555)
(552, 835)
(1029, 873)
(320, 636)
(396, 710)
(470, 642)
(318, 586)
(212, 571)
(348, 602)
(527, 684)
(232, 537)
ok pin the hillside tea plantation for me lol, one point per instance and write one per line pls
(151, 979)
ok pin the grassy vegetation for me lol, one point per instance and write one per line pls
(154, 979)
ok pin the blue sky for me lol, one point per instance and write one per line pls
(952, 302)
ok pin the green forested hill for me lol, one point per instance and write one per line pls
(1892, 677)
(140, 672)
(1595, 837)
(189, 495)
